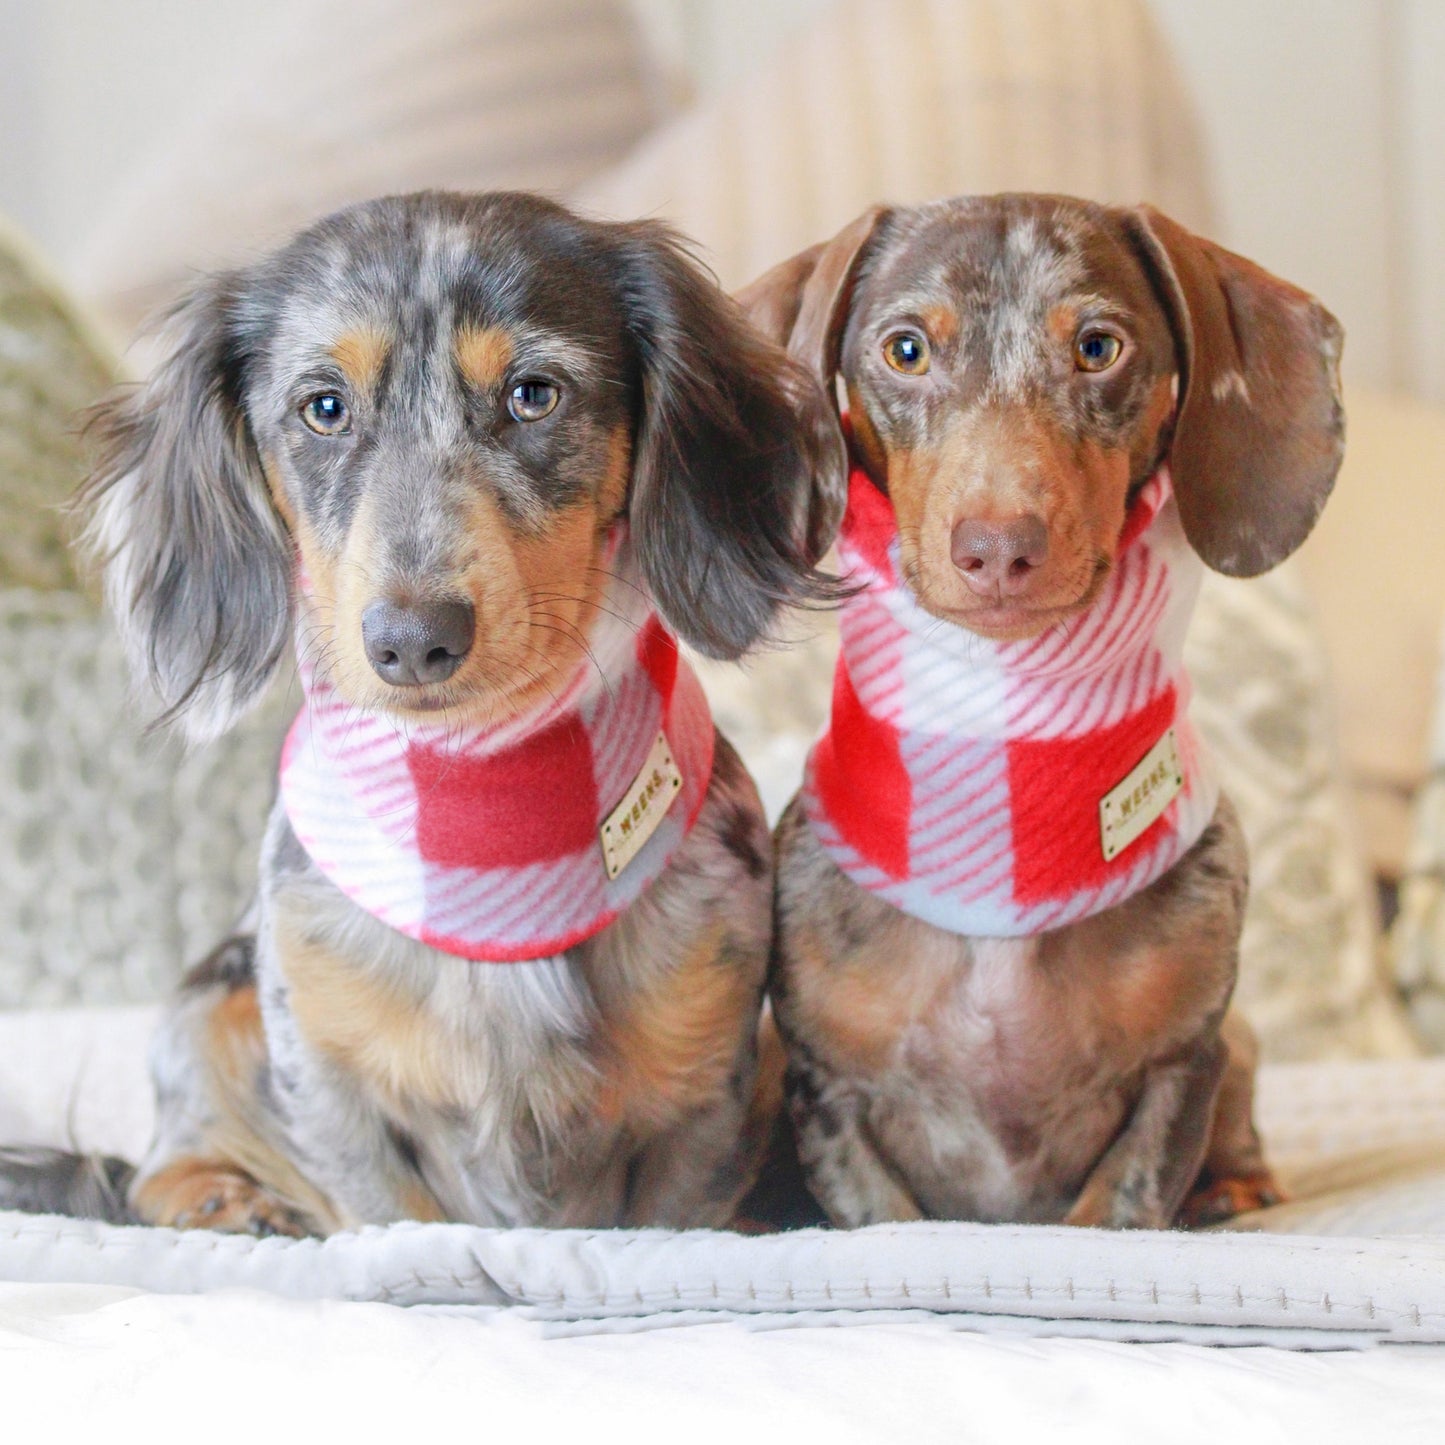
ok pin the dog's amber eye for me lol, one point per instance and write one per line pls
(907, 352)
(327, 414)
(532, 400)
(1096, 350)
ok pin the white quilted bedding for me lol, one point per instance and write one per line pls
(906, 1333)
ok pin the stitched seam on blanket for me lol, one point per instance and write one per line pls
(240, 1243)
(790, 1292)
(1029, 1292)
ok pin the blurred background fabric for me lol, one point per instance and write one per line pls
(122, 857)
(358, 98)
(53, 364)
(1417, 941)
(905, 103)
(159, 139)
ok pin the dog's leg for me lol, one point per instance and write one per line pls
(327, 1021)
(1144, 1175)
(697, 1173)
(362, 1162)
(846, 1172)
(367, 1166)
(697, 1066)
(219, 1159)
(204, 1192)
(1235, 1178)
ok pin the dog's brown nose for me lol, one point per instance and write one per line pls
(409, 646)
(999, 559)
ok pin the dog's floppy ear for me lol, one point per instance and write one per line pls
(734, 455)
(802, 303)
(197, 563)
(1259, 428)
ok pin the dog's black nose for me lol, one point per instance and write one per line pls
(999, 559)
(408, 646)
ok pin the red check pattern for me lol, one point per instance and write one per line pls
(961, 779)
(485, 843)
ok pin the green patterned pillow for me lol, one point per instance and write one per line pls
(1310, 977)
(1417, 940)
(121, 858)
(51, 367)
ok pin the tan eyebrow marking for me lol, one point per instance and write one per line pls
(941, 323)
(483, 354)
(1062, 322)
(361, 355)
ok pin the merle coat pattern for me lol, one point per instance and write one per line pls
(1015, 368)
(437, 406)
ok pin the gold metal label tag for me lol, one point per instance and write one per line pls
(634, 820)
(1128, 809)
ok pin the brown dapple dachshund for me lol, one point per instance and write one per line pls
(1009, 893)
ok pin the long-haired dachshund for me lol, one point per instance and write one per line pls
(514, 911)
(1010, 892)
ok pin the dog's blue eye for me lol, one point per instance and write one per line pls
(907, 352)
(532, 400)
(327, 414)
(1096, 350)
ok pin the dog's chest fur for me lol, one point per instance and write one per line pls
(1005, 1088)
(518, 1092)
(992, 1074)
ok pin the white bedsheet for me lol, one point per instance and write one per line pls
(1365, 1145)
(243, 1365)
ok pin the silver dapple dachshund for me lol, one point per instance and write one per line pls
(508, 957)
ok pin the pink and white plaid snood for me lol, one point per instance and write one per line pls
(1004, 789)
(488, 843)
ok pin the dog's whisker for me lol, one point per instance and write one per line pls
(568, 630)
(618, 577)
(537, 681)
(621, 617)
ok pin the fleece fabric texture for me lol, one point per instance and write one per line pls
(489, 843)
(962, 780)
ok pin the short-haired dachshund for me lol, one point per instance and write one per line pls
(1010, 891)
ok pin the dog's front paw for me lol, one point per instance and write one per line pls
(1215, 1200)
(206, 1194)
(1103, 1208)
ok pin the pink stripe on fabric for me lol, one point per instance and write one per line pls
(1051, 695)
(356, 787)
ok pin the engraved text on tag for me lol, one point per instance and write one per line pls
(634, 820)
(1127, 810)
